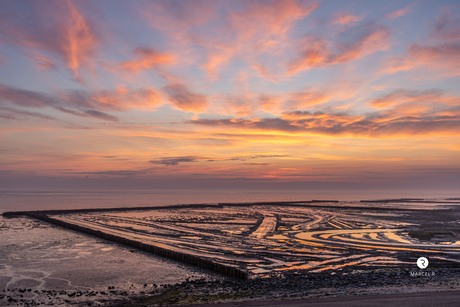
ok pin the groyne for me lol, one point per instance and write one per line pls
(307, 203)
(157, 250)
(118, 209)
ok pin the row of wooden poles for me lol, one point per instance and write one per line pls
(161, 251)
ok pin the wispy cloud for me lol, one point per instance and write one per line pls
(101, 115)
(53, 29)
(121, 173)
(351, 44)
(184, 99)
(147, 58)
(404, 95)
(83, 103)
(404, 112)
(399, 13)
(12, 112)
(344, 18)
(172, 161)
(439, 52)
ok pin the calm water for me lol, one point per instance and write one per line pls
(12, 201)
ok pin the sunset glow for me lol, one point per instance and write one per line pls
(229, 94)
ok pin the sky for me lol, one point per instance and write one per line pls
(229, 94)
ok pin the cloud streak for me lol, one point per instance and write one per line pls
(147, 58)
(83, 103)
(440, 52)
(403, 113)
(54, 29)
(351, 44)
(184, 99)
(173, 161)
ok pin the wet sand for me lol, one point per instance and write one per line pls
(41, 263)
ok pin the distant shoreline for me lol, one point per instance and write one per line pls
(308, 203)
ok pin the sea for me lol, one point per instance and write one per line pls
(51, 200)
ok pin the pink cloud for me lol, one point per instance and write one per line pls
(241, 31)
(400, 13)
(265, 19)
(401, 121)
(147, 58)
(44, 62)
(396, 65)
(440, 52)
(402, 113)
(401, 96)
(344, 18)
(83, 103)
(240, 105)
(352, 44)
(124, 99)
(244, 30)
(309, 98)
(184, 99)
(269, 103)
(55, 28)
(444, 56)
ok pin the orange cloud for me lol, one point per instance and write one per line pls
(217, 56)
(241, 31)
(268, 19)
(402, 96)
(240, 105)
(246, 104)
(407, 113)
(310, 97)
(251, 28)
(81, 40)
(397, 64)
(147, 58)
(445, 56)
(124, 99)
(59, 29)
(269, 103)
(352, 44)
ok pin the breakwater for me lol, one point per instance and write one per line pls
(123, 209)
(308, 203)
(157, 250)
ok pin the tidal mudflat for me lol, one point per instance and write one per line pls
(287, 249)
(273, 239)
(41, 264)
